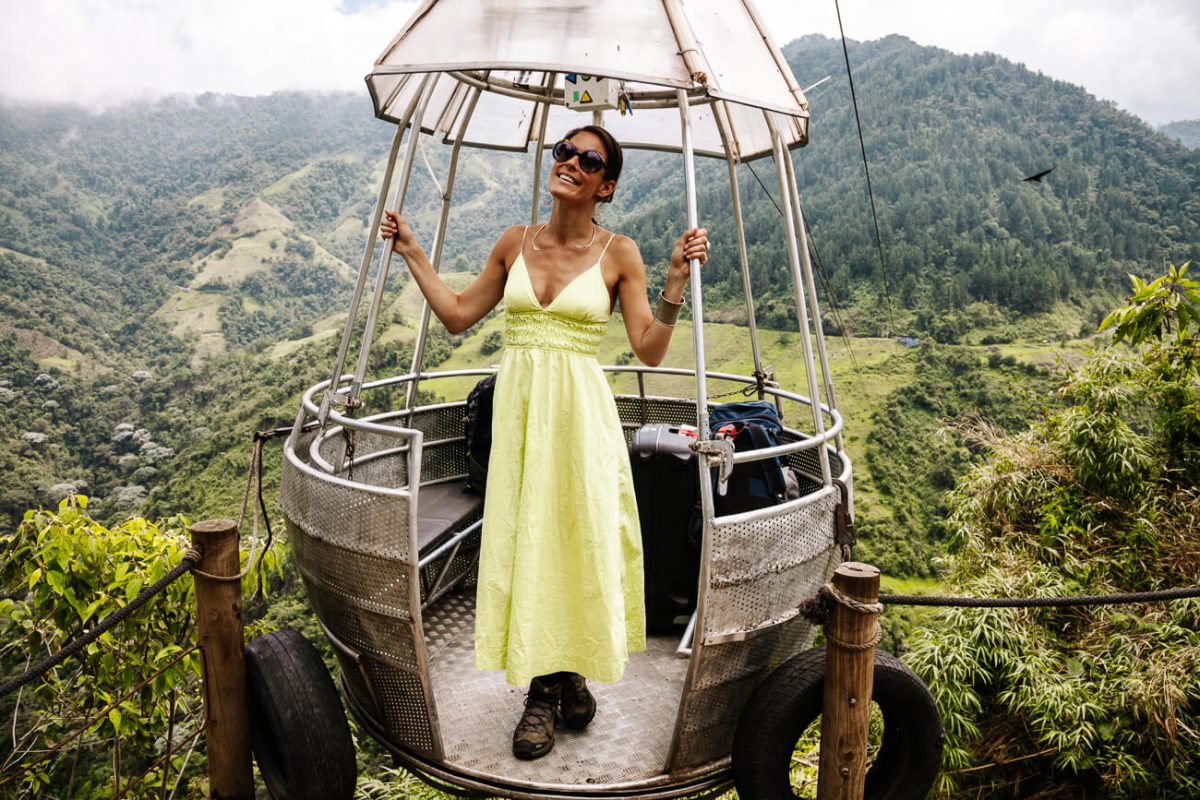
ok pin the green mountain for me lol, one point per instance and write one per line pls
(172, 273)
(1187, 131)
(949, 139)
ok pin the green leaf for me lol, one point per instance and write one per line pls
(114, 716)
(34, 577)
(55, 579)
(132, 588)
(169, 650)
(91, 609)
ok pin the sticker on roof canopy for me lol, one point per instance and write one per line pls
(589, 92)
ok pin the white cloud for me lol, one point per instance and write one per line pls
(101, 52)
(1143, 54)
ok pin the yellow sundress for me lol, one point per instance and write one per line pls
(560, 570)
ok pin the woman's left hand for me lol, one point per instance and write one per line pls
(692, 244)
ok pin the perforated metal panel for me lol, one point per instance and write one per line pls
(763, 564)
(808, 463)
(390, 471)
(440, 460)
(766, 562)
(354, 550)
(440, 422)
(347, 516)
(369, 582)
(725, 677)
(444, 454)
(383, 638)
(635, 410)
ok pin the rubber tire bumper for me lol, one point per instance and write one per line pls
(298, 729)
(790, 699)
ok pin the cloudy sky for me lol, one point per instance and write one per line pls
(1142, 54)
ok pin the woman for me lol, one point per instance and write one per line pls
(560, 575)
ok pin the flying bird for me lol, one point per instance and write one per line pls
(1038, 176)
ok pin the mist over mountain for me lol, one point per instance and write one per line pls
(1186, 131)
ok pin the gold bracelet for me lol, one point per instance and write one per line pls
(667, 311)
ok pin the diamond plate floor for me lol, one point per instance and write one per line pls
(626, 742)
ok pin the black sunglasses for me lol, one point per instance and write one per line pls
(589, 160)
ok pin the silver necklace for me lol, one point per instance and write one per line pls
(575, 246)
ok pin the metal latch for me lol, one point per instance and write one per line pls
(843, 523)
(718, 453)
(333, 399)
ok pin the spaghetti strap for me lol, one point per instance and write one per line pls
(605, 250)
(524, 232)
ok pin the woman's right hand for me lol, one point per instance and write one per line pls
(395, 227)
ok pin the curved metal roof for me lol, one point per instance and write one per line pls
(517, 53)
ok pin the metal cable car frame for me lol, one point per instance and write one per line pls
(351, 492)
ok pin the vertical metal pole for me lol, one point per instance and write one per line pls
(537, 157)
(385, 260)
(418, 358)
(219, 631)
(743, 256)
(707, 511)
(811, 285)
(849, 681)
(814, 393)
(689, 184)
(363, 268)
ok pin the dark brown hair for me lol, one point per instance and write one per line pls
(615, 159)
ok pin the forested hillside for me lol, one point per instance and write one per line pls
(151, 252)
(949, 139)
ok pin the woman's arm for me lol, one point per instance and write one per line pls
(648, 335)
(457, 310)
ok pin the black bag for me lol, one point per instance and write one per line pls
(477, 430)
(752, 425)
(666, 482)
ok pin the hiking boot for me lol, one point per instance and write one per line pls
(578, 705)
(534, 735)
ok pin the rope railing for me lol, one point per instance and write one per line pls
(816, 607)
(189, 560)
(1159, 596)
(252, 502)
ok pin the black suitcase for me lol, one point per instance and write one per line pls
(667, 487)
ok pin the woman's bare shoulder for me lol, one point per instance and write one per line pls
(508, 244)
(625, 251)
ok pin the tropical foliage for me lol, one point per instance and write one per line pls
(133, 692)
(1099, 497)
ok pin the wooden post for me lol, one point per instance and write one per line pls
(219, 631)
(850, 635)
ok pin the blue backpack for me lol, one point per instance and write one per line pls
(752, 425)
